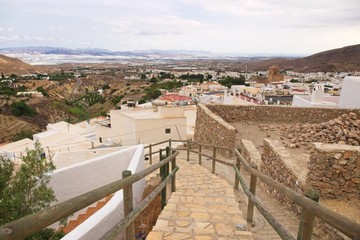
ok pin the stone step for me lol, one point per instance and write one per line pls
(203, 207)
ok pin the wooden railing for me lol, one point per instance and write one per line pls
(310, 207)
(26, 226)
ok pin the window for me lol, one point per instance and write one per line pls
(167, 130)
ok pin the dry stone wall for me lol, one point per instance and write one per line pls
(276, 114)
(249, 152)
(334, 170)
(274, 163)
(342, 130)
(278, 164)
(212, 129)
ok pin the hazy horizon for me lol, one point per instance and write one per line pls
(245, 27)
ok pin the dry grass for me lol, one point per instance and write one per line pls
(147, 219)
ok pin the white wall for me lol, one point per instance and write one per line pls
(304, 101)
(109, 215)
(130, 130)
(123, 128)
(80, 178)
(153, 130)
(103, 132)
(350, 93)
(171, 112)
(299, 101)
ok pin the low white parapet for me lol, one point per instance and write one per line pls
(74, 180)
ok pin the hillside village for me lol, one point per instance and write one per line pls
(87, 117)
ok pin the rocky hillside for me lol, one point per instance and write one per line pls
(10, 65)
(342, 130)
(338, 60)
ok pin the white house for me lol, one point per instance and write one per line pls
(143, 125)
(349, 96)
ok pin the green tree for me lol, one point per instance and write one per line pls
(141, 101)
(152, 93)
(153, 79)
(229, 81)
(22, 109)
(22, 134)
(21, 88)
(42, 90)
(105, 86)
(27, 190)
(117, 99)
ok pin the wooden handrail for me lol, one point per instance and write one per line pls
(280, 229)
(339, 222)
(212, 146)
(111, 234)
(155, 144)
(148, 154)
(211, 157)
(35, 222)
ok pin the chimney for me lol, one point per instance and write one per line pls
(317, 93)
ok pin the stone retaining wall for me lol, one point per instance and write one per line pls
(273, 163)
(212, 129)
(270, 114)
(334, 170)
(249, 152)
(278, 164)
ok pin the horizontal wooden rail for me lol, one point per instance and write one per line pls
(125, 222)
(212, 146)
(35, 222)
(179, 141)
(155, 144)
(338, 221)
(277, 226)
(211, 157)
(148, 154)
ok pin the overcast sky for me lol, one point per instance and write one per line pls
(221, 26)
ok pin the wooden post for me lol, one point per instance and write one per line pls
(173, 181)
(188, 150)
(307, 219)
(163, 176)
(213, 161)
(250, 208)
(128, 205)
(161, 158)
(168, 153)
(199, 154)
(150, 152)
(236, 185)
(170, 142)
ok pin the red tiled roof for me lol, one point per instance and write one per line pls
(174, 98)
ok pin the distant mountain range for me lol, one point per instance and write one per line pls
(336, 60)
(346, 59)
(98, 51)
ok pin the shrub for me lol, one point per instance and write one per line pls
(22, 109)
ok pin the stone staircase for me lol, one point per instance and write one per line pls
(72, 224)
(203, 207)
